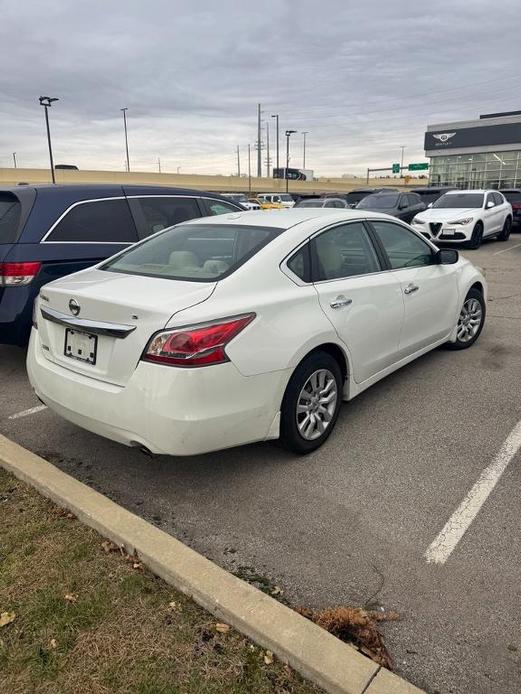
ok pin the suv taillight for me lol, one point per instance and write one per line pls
(516, 205)
(18, 274)
(198, 345)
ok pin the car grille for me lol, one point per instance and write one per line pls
(435, 227)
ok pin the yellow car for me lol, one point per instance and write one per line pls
(266, 205)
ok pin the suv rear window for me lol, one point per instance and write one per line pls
(10, 210)
(194, 252)
(512, 196)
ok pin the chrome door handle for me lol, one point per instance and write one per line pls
(410, 288)
(340, 301)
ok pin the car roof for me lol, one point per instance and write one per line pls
(286, 218)
(94, 189)
(481, 191)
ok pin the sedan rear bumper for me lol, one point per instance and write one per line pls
(165, 409)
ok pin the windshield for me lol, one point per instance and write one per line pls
(375, 202)
(459, 200)
(10, 209)
(194, 252)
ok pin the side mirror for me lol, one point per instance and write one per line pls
(447, 256)
(429, 205)
(489, 204)
(402, 206)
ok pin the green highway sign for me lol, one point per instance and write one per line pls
(396, 168)
(416, 167)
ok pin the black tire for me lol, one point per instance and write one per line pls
(474, 294)
(507, 228)
(290, 435)
(477, 237)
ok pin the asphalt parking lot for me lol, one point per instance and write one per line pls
(351, 523)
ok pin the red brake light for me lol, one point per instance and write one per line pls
(516, 205)
(18, 274)
(201, 345)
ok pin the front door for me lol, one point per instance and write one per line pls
(363, 301)
(430, 292)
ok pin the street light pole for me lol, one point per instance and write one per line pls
(238, 162)
(249, 169)
(289, 133)
(46, 102)
(401, 160)
(259, 153)
(14, 159)
(305, 132)
(126, 135)
(276, 116)
(268, 158)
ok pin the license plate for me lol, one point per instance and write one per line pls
(449, 232)
(81, 346)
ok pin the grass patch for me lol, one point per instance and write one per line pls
(91, 620)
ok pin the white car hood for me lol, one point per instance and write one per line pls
(448, 214)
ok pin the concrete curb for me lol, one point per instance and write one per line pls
(316, 654)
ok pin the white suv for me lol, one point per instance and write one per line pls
(466, 216)
(283, 199)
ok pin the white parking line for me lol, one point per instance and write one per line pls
(26, 413)
(457, 525)
(507, 249)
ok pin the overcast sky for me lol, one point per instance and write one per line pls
(362, 77)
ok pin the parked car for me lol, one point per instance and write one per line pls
(282, 199)
(50, 231)
(430, 195)
(323, 202)
(247, 327)
(355, 196)
(513, 196)
(402, 205)
(466, 216)
(265, 204)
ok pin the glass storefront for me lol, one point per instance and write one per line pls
(487, 170)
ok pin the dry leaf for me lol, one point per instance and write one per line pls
(71, 597)
(222, 628)
(174, 605)
(6, 618)
(268, 657)
(276, 590)
(53, 643)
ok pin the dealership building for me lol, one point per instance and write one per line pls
(484, 153)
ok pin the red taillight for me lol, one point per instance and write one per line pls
(516, 205)
(18, 274)
(199, 345)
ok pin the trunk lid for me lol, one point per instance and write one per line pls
(143, 303)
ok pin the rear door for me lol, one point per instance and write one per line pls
(493, 216)
(362, 300)
(429, 290)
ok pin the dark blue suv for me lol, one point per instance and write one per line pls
(50, 231)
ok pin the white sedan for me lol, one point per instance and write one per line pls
(466, 216)
(246, 327)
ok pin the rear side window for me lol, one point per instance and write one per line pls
(155, 213)
(194, 252)
(10, 210)
(344, 251)
(220, 207)
(100, 221)
(498, 198)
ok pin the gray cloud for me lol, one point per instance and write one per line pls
(363, 77)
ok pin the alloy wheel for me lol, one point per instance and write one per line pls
(316, 404)
(469, 320)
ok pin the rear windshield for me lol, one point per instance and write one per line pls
(512, 196)
(194, 252)
(462, 200)
(315, 202)
(374, 202)
(10, 210)
(353, 198)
